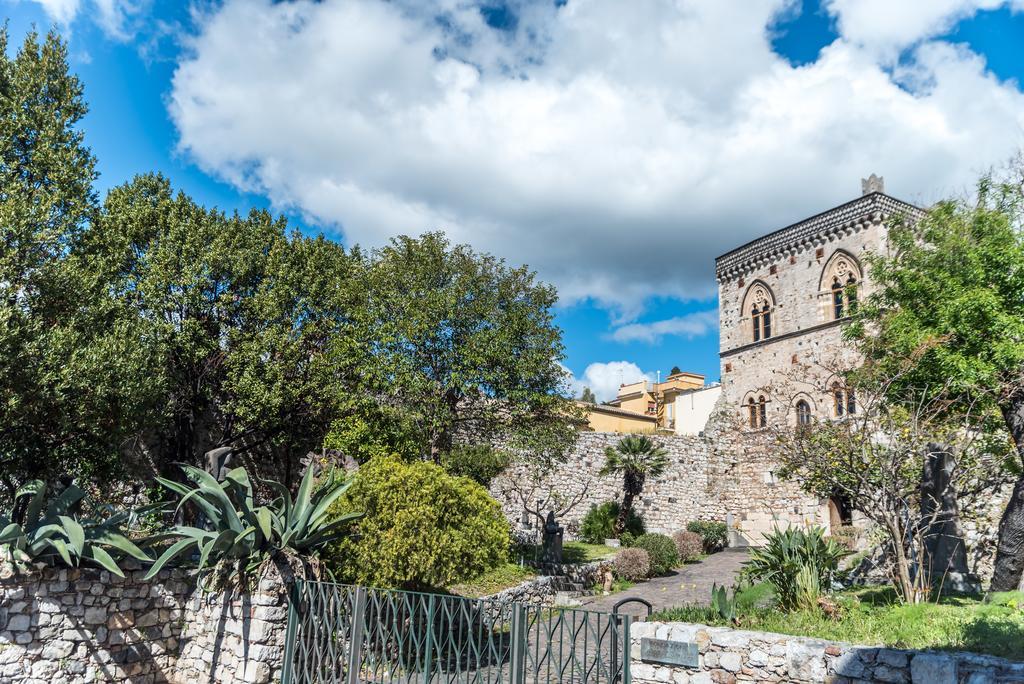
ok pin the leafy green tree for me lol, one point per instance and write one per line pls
(587, 395)
(635, 457)
(69, 375)
(239, 318)
(950, 296)
(675, 370)
(461, 343)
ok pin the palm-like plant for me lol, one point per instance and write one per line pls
(51, 531)
(244, 534)
(636, 457)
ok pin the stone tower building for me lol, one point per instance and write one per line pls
(783, 300)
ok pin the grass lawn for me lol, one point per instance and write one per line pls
(872, 616)
(580, 552)
(574, 552)
(491, 582)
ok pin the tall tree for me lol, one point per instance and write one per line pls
(950, 294)
(461, 343)
(66, 368)
(636, 458)
(238, 317)
(587, 395)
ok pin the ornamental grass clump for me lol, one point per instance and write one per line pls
(632, 564)
(689, 545)
(661, 550)
(46, 526)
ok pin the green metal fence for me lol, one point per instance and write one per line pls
(341, 634)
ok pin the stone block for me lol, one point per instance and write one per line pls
(805, 660)
(849, 664)
(932, 668)
(730, 661)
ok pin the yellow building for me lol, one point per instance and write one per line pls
(604, 418)
(657, 399)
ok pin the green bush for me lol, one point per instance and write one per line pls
(422, 527)
(714, 534)
(599, 523)
(662, 551)
(479, 462)
(240, 535)
(797, 564)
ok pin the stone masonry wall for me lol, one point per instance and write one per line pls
(727, 473)
(727, 656)
(65, 626)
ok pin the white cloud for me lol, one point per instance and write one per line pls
(604, 379)
(887, 26)
(114, 17)
(691, 325)
(61, 11)
(615, 147)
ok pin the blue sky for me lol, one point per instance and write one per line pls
(617, 151)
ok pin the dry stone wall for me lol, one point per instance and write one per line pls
(69, 626)
(727, 656)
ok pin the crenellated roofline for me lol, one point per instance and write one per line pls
(846, 219)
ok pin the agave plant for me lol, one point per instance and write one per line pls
(236, 530)
(51, 531)
(797, 563)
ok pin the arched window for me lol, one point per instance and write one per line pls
(762, 412)
(841, 278)
(759, 302)
(837, 299)
(844, 400)
(752, 408)
(803, 413)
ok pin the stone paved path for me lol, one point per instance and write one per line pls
(690, 584)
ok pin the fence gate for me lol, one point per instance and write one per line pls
(341, 634)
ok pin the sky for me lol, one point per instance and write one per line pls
(615, 147)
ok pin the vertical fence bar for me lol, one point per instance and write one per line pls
(294, 596)
(519, 645)
(628, 650)
(355, 642)
(428, 665)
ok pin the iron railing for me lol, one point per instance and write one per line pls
(341, 634)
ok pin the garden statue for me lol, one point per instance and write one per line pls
(218, 462)
(552, 542)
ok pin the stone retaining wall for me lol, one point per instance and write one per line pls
(541, 590)
(65, 626)
(727, 656)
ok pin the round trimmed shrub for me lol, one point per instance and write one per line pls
(714, 533)
(599, 523)
(422, 527)
(689, 545)
(661, 550)
(632, 564)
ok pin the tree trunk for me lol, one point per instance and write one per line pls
(624, 510)
(1009, 563)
